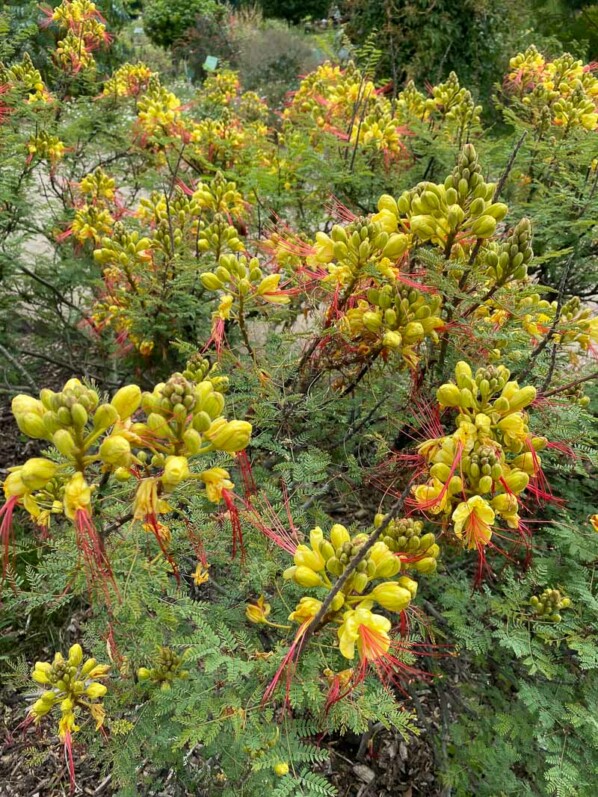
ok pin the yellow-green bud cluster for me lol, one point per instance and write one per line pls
(478, 471)
(548, 605)
(405, 536)
(219, 237)
(168, 667)
(509, 260)
(395, 317)
(348, 250)
(461, 207)
(220, 196)
(243, 278)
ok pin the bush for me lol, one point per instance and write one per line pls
(165, 21)
(295, 10)
(296, 471)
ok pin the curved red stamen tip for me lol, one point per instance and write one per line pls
(287, 664)
(6, 531)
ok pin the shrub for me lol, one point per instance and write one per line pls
(295, 429)
(295, 11)
(165, 21)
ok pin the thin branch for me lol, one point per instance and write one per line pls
(50, 287)
(569, 385)
(20, 368)
(503, 179)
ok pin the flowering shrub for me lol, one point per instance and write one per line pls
(398, 393)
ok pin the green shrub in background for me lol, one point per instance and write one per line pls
(296, 10)
(165, 21)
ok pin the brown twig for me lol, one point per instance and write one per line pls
(569, 385)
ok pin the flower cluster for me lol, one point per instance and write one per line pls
(450, 107)
(548, 604)
(24, 81)
(129, 80)
(72, 686)
(69, 684)
(321, 562)
(477, 472)
(93, 440)
(453, 215)
(168, 667)
(332, 100)
(84, 31)
(562, 93)
(138, 268)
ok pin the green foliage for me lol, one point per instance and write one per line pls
(165, 21)
(210, 229)
(295, 10)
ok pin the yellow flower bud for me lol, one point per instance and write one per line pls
(176, 470)
(339, 535)
(484, 227)
(143, 673)
(115, 450)
(23, 404)
(306, 577)
(449, 395)
(427, 565)
(192, 440)
(409, 584)
(391, 596)
(392, 340)
(37, 472)
(396, 245)
(75, 655)
(105, 416)
(522, 398)
(307, 557)
(210, 281)
(281, 769)
(516, 481)
(229, 436)
(32, 425)
(126, 401)
(96, 690)
(463, 374)
(63, 440)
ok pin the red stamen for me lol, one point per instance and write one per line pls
(288, 663)
(235, 523)
(6, 531)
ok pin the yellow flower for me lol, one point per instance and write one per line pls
(258, 612)
(473, 520)
(433, 496)
(176, 470)
(506, 506)
(349, 633)
(594, 522)
(514, 429)
(77, 496)
(201, 575)
(146, 501)
(306, 609)
(216, 480)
